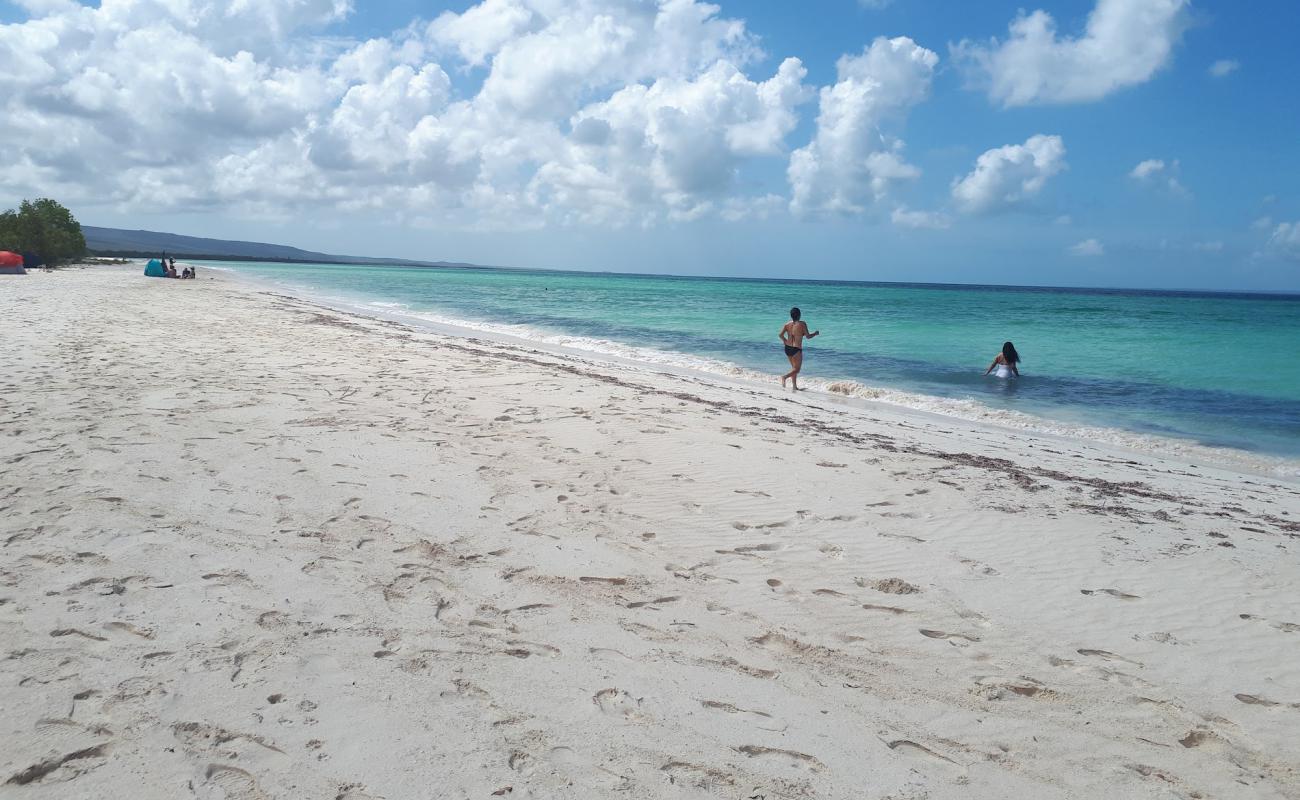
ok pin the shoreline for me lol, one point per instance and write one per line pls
(1283, 294)
(847, 394)
(255, 547)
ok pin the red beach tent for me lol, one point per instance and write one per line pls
(11, 263)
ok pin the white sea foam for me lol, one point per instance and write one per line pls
(968, 409)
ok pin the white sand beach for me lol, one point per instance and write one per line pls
(251, 547)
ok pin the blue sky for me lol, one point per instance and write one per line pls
(669, 137)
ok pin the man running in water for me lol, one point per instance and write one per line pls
(792, 334)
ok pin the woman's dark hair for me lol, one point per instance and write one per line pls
(1009, 353)
(795, 313)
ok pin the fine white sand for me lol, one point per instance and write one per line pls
(252, 547)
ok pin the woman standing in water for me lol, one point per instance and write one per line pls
(792, 335)
(1005, 362)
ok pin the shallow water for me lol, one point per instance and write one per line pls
(1217, 369)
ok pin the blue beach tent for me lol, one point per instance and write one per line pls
(154, 269)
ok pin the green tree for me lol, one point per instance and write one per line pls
(43, 227)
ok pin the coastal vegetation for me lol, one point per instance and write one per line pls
(42, 227)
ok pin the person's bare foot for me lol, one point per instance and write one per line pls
(782, 381)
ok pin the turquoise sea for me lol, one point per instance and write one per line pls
(1215, 369)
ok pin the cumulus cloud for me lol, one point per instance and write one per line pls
(1088, 247)
(1006, 176)
(1224, 67)
(1155, 171)
(680, 141)
(1124, 43)
(905, 218)
(853, 160)
(482, 30)
(611, 110)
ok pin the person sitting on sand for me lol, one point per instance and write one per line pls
(1005, 362)
(169, 272)
(792, 335)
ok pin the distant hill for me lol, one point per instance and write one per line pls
(143, 244)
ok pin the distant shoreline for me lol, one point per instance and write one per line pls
(1104, 290)
(357, 262)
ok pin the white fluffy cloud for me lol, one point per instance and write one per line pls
(678, 141)
(483, 29)
(1157, 172)
(1124, 43)
(852, 159)
(1088, 247)
(1006, 176)
(619, 110)
(1147, 168)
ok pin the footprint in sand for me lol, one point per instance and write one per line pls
(791, 758)
(200, 737)
(888, 585)
(521, 762)
(932, 634)
(995, 689)
(697, 775)
(522, 649)
(910, 747)
(75, 750)
(753, 548)
(829, 593)
(610, 653)
(618, 703)
(1107, 655)
(831, 550)
(609, 581)
(1285, 627)
(760, 719)
(1112, 592)
(235, 783)
(227, 577)
(1256, 700)
(904, 537)
(77, 632)
(126, 627)
(889, 609)
(527, 608)
(654, 604)
(759, 526)
(1198, 737)
(979, 567)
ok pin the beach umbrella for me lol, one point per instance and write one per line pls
(11, 263)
